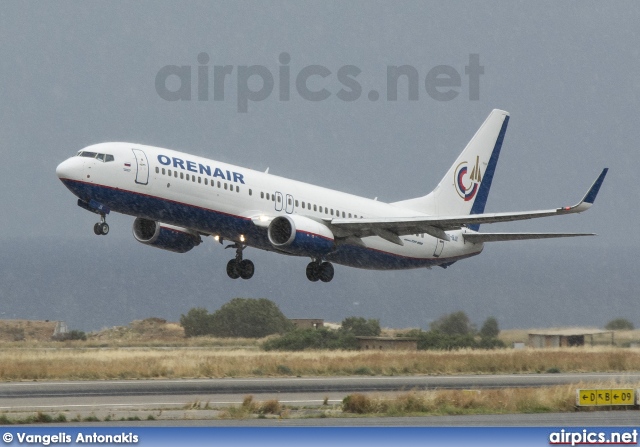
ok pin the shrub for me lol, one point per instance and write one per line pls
(360, 327)
(240, 317)
(197, 322)
(247, 317)
(456, 323)
(357, 403)
(490, 328)
(619, 324)
(301, 339)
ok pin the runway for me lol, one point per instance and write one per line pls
(190, 399)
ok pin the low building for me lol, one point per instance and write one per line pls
(561, 338)
(387, 343)
(307, 323)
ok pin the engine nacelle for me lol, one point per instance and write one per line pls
(300, 235)
(164, 236)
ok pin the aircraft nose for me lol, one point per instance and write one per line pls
(67, 169)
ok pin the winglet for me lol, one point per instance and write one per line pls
(589, 197)
(593, 192)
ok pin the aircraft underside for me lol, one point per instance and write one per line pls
(226, 227)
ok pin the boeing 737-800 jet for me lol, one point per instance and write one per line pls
(177, 198)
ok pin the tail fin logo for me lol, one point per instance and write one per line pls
(467, 192)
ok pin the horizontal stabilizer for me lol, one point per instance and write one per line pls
(498, 237)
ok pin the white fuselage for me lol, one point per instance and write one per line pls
(215, 198)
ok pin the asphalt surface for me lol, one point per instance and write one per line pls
(12, 390)
(200, 401)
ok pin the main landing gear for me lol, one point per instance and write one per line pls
(101, 228)
(238, 267)
(319, 270)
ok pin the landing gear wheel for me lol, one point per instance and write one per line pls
(101, 228)
(313, 270)
(325, 272)
(232, 269)
(246, 269)
(238, 267)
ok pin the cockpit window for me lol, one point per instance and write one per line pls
(102, 157)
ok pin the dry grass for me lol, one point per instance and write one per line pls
(454, 402)
(133, 363)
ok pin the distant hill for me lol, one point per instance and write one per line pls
(149, 329)
(26, 330)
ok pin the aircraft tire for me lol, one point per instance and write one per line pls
(232, 269)
(325, 272)
(313, 271)
(246, 269)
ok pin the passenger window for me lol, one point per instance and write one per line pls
(250, 192)
(175, 174)
(268, 196)
(319, 208)
(349, 215)
(169, 172)
(273, 197)
(332, 211)
(262, 194)
(302, 204)
(108, 158)
(225, 186)
(343, 214)
(199, 179)
(219, 185)
(163, 171)
(296, 203)
(182, 176)
(157, 170)
(187, 176)
(206, 181)
(315, 208)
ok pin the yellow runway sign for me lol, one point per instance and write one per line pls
(616, 396)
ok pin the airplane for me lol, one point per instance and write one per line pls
(178, 198)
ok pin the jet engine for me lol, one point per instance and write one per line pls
(300, 235)
(164, 236)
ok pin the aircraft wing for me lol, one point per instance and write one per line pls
(391, 228)
(498, 237)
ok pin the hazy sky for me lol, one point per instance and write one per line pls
(77, 73)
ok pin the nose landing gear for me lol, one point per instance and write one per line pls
(101, 228)
(238, 267)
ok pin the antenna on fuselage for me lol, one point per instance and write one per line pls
(267, 171)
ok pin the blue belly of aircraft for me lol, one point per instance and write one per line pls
(229, 226)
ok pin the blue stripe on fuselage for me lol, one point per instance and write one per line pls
(230, 226)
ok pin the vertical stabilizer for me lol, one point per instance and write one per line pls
(465, 187)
